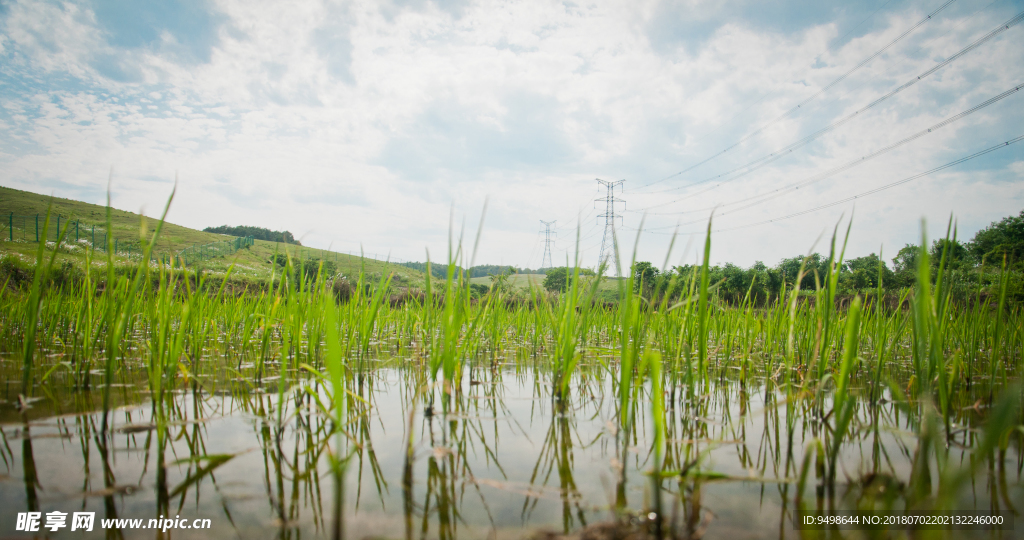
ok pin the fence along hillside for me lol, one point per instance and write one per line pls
(78, 235)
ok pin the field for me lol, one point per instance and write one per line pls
(248, 265)
(313, 409)
(519, 281)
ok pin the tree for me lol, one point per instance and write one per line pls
(906, 259)
(957, 254)
(769, 281)
(502, 282)
(737, 282)
(1005, 237)
(258, 233)
(862, 273)
(556, 279)
(644, 274)
(791, 267)
(438, 271)
(482, 270)
(904, 266)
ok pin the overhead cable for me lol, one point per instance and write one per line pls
(804, 102)
(883, 187)
(779, 154)
(777, 192)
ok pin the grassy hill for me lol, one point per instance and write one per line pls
(253, 262)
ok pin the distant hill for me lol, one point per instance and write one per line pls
(258, 233)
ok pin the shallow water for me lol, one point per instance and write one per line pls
(505, 461)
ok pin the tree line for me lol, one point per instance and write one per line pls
(972, 266)
(439, 270)
(258, 233)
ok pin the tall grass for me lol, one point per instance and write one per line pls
(676, 359)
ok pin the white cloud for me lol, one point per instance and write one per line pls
(58, 37)
(357, 122)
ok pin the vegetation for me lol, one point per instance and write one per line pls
(308, 269)
(250, 269)
(974, 267)
(1004, 238)
(689, 398)
(560, 279)
(258, 233)
(481, 270)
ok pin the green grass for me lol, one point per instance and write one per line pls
(686, 356)
(518, 281)
(607, 291)
(249, 264)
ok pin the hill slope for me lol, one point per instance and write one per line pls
(21, 208)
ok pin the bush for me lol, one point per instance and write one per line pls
(477, 290)
(18, 274)
(557, 279)
(14, 272)
(342, 289)
(308, 268)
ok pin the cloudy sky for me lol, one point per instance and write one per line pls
(380, 123)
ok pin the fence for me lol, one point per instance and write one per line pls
(31, 229)
(196, 253)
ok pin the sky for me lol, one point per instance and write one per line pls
(392, 126)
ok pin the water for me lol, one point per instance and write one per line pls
(506, 461)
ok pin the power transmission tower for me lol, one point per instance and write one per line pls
(546, 261)
(609, 215)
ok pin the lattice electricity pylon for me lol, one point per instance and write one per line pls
(546, 261)
(609, 215)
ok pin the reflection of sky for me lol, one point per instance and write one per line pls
(363, 122)
(501, 451)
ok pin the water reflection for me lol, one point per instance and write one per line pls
(506, 459)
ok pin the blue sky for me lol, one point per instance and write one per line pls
(379, 124)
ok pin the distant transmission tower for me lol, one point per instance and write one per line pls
(546, 262)
(609, 215)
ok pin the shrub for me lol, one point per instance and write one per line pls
(342, 289)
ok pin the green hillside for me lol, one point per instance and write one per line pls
(20, 208)
(519, 281)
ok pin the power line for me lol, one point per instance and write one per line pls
(766, 94)
(872, 191)
(779, 154)
(578, 218)
(858, 25)
(885, 186)
(805, 101)
(777, 192)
